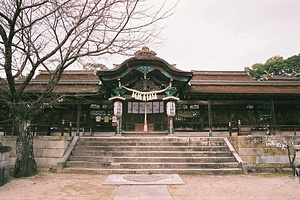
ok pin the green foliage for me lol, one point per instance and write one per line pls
(276, 66)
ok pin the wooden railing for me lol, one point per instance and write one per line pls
(139, 126)
(240, 129)
(267, 129)
(47, 130)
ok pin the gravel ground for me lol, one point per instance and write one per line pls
(47, 185)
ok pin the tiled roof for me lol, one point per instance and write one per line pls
(72, 81)
(221, 75)
(240, 83)
(202, 82)
(69, 75)
(243, 89)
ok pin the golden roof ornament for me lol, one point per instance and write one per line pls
(145, 52)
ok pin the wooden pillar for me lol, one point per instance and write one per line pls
(209, 117)
(239, 128)
(229, 128)
(273, 113)
(63, 127)
(145, 117)
(78, 118)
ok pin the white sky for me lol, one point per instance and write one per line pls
(228, 34)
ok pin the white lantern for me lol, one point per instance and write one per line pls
(118, 109)
(171, 109)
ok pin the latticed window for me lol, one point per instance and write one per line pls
(101, 112)
(189, 113)
(191, 117)
(248, 114)
(287, 114)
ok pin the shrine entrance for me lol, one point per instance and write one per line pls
(141, 89)
(134, 118)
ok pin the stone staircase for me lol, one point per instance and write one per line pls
(107, 155)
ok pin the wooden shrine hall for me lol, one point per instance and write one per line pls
(146, 95)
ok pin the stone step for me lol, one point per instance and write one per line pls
(129, 143)
(153, 153)
(151, 148)
(151, 139)
(151, 159)
(103, 171)
(151, 165)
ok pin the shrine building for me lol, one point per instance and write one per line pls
(147, 95)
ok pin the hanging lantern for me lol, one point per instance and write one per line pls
(118, 109)
(171, 109)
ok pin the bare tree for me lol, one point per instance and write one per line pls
(54, 34)
(95, 66)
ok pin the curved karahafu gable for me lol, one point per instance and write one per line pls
(144, 67)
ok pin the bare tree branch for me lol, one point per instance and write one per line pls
(56, 34)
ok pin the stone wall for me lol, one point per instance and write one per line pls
(261, 157)
(48, 150)
(4, 164)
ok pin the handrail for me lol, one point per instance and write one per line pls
(62, 163)
(236, 155)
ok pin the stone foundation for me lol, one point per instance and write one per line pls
(48, 150)
(261, 157)
(4, 164)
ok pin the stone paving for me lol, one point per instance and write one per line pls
(144, 179)
(52, 186)
(143, 192)
(143, 186)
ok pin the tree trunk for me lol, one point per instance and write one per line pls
(292, 161)
(25, 163)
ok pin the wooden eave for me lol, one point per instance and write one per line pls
(239, 85)
(243, 89)
(71, 82)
